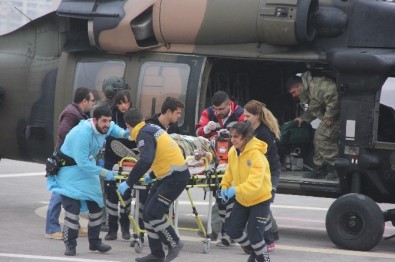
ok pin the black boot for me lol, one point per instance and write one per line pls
(332, 174)
(150, 258)
(111, 235)
(70, 251)
(318, 173)
(174, 251)
(252, 257)
(125, 233)
(99, 246)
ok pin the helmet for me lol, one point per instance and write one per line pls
(112, 84)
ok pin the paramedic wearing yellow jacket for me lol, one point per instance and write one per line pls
(162, 154)
(243, 179)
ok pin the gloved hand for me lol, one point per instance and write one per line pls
(231, 192)
(209, 127)
(110, 175)
(123, 187)
(224, 194)
(148, 179)
(126, 135)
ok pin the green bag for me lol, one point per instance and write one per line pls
(291, 133)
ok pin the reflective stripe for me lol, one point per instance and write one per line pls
(72, 216)
(71, 225)
(95, 215)
(112, 212)
(94, 223)
(112, 205)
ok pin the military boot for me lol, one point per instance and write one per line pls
(332, 174)
(318, 173)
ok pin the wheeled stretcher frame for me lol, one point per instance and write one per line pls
(203, 176)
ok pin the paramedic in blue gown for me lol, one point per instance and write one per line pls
(79, 183)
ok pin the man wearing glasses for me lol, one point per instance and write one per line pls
(222, 114)
(83, 103)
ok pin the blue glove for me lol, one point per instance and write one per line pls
(224, 194)
(110, 175)
(126, 135)
(231, 192)
(148, 179)
(123, 187)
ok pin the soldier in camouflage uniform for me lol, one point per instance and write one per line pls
(321, 96)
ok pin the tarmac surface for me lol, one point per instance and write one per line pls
(301, 220)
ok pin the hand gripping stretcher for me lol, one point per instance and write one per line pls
(204, 174)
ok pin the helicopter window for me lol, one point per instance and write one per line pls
(157, 81)
(91, 74)
(386, 125)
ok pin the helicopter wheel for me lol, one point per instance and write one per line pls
(354, 221)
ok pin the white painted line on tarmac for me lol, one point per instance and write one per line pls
(53, 258)
(23, 175)
(335, 251)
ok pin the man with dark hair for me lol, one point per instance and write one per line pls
(73, 113)
(162, 154)
(78, 180)
(222, 114)
(321, 96)
(168, 118)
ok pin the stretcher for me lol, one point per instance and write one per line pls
(204, 175)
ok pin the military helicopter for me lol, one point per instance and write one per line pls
(189, 49)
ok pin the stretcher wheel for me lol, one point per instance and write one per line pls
(206, 246)
(138, 246)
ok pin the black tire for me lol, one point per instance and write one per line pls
(354, 221)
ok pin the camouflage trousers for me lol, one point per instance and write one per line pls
(326, 144)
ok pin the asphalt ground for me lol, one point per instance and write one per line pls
(301, 220)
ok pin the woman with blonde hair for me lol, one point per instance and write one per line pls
(266, 128)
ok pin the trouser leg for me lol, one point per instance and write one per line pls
(112, 206)
(224, 211)
(71, 221)
(125, 211)
(143, 195)
(236, 224)
(54, 207)
(268, 235)
(160, 197)
(95, 220)
(257, 220)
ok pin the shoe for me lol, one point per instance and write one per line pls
(55, 235)
(271, 247)
(70, 251)
(150, 258)
(99, 246)
(251, 258)
(104, 227)
(121, 150)
(174, 251)
(82, 232)
(318, 173)
(111, 236)
(226, 241)
(247, 249)
(332, 174)
(125, 234)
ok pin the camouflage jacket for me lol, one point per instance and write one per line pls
(321, 96)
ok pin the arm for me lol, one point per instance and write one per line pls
(146, 143)
(203, 121)
(67, 122)
(118, 132)
(227, 179)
